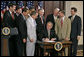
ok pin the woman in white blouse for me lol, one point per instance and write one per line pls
(31, 33)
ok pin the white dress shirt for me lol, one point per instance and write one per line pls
(10, 12)
(73, 17)
(55, 17)
(62, 18)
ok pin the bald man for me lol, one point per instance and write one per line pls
(53, 17)
(40, 24)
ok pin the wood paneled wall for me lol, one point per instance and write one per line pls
(49, 6)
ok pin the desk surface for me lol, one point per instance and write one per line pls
(63, 42)
(50, 45)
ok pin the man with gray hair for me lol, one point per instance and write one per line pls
(53, 17)
(40, 24)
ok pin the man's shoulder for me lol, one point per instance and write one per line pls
(7, 12)
(38, 17)
(20, 15)
(77, 16)
(58, 19)
(68, 19)
(50, 15)
(69, 16)
(29, 19)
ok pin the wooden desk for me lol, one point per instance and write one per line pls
(50, 45)
(4, 47)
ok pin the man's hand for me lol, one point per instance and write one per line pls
(46, 39)
(31, 40)
(78, 38)
(53, 39)
(66, 39)
(24, 40)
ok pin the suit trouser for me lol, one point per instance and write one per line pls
(12, 46)
(24, 49)
(36, 50)
(30, 49)
(19, 46)
(74, 47)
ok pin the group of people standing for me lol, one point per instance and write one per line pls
(33, 26)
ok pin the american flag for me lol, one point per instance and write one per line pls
(30, 4)
(40, 4)
(20, 4)
(4, 7)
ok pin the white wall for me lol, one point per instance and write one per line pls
(79, 6)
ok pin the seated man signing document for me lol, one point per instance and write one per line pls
(49, 34)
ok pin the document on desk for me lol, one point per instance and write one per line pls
(50, 41)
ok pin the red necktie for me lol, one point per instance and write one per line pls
(12, 14)
(61, 22)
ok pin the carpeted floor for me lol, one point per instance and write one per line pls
(80, 53)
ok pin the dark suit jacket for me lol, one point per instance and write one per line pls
(50, 17)
(75, 27)
(52, 34)
(16, 20)
(22, 28)
(40, 28)
(7, 20)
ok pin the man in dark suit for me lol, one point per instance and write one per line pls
(40, 27)
(17, 37)
(50, 35)
(75, 30)
(53, 17)
(8, 20)
(22, 28)
(40, 24)
(18, 12)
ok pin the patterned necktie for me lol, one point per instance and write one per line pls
(61, 22)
